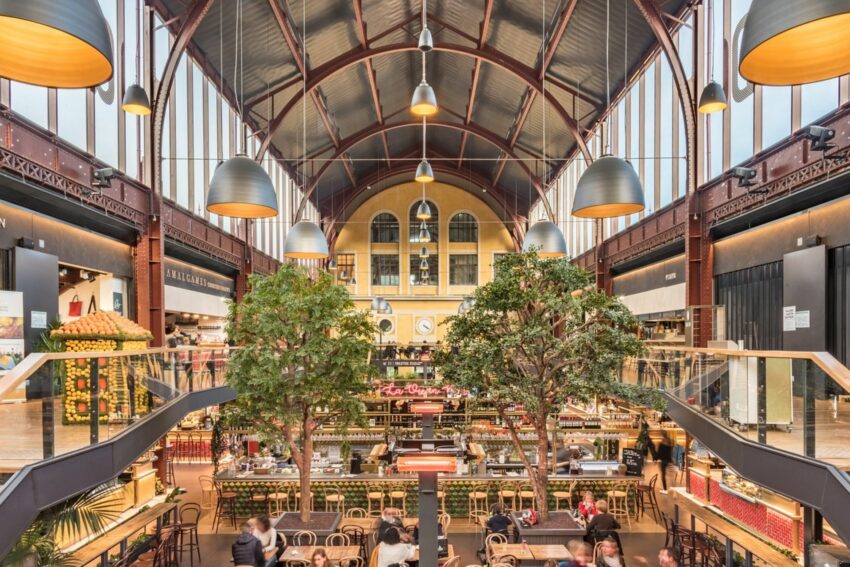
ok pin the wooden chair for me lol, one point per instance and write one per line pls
(398, 497)
(646, 492)
(337, 539)
(279, 499)
(375, 498)
(489, 541)
(297, 500)
(525, 493)
(618, 502)
(561, 496)
(441, 497)
(478, 501)
(296, 563)
(187, 532)
(444, 520)
(506, 561)
(259, 499)
(207, 490)
(225, 507)
(357, 536)
(352, 561)
(334, 498)
(452, 561)
(507, 494)
(356, 513)
(596, 547)
(304, 537)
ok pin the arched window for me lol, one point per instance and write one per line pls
(385, 228)
(433, 222)
(463, 228)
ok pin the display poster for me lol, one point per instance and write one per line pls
(802, 320)
(789, 318)
(38, 319)
(11, 330)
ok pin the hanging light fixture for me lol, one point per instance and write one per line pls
(465, 305)
(424, 173)
(332, 267)
(791, 43)
(424, 233)
(610, 187)
(385, 308)
(424, 210)
(547, 239)
(241, 188)
(424, 101)
(376, 303)
(713, 98)
(424, 252)
(306, 239)
(426, 42)
(136, 100)
(423, 265)
(55, 44)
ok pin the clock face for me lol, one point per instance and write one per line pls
(424, 326)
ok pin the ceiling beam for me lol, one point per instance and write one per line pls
(473, 129)
(295, 48)
(484, 30)
(557, 34)
(370, 72)
(524, 111)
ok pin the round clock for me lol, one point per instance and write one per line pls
(424, 326)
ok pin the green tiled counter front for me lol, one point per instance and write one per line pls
(456, 488)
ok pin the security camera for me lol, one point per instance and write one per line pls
(745, 176)
(820, 136)
(101, 177)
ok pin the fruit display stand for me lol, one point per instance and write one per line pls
(101, 332)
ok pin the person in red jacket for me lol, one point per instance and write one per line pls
(587, 506)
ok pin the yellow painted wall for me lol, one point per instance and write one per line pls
(412, 303)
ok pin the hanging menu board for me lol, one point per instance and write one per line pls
(633, 459)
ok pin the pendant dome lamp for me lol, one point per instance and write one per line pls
(55, 44)
(792, 43)
(424, 101)
(424, 173)
(424, 233)
(426, 42)
(545, 238)
(713, 98)
(241, 188)
(423, 253)
(423, 265)
(465, 305)
(332, 267)
(136, 100)
(376, 303)
(423, 212)
(609, 187)
(305, 240)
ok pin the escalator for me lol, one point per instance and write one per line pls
(777, 418)
(82, 455)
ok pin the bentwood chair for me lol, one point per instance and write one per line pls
(334, 499)
(525, 493)
(478, 501)
(375, 498)
(618, 502)
(304, 537)
(187, 532)
(337, 539)
(507, 494)
(565, 497)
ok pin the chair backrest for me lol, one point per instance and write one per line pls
(445, 520)
(337, 539)
(297, 563)
(304, 537)
(331, 489)
(190, 513)
(505, 561)
(375, 487)
(653, 481)
(356, 513)
(489, 541)
(452, 561)
(206, 482)
(351, 561)
(355, 533)
(597, 546)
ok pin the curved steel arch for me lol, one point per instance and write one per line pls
(355, 56)
(408, 166)
(471, 128)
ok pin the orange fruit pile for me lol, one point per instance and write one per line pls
(102, 324)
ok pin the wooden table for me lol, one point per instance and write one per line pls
(100, 547)
(440, 560)
(540, 552)
(305, 552)
(368, 525)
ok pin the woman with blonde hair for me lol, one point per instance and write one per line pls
(320, 558)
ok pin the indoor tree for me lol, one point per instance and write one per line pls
(539, 334)
(302, 361)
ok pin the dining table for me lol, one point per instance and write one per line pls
(305, 552)
(536, 552)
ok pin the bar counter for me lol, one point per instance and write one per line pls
(455, 487)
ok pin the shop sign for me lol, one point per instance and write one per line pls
(186, 276)
(414, 390)
(118, 302)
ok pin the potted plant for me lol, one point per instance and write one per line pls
(537, 335)
(303, 346)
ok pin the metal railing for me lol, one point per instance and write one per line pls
(89, 416)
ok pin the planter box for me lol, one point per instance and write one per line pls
(322, 524)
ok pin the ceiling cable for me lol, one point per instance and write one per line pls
(608, 73)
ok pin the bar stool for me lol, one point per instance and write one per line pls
(259, 499)
(169, 464)
(187, 532)
(195, 448)
(478, 501)
(225, 507)
(507, 496)
(441, 498)
(334, 499)
(398, 492)
(297, 491)
(207, 490)
(279, 499)
(647, 492)
(177, 441)
(618, 501)
(374, 499)
(561, 496)
(526, 492)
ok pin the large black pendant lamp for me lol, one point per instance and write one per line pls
(241, 188)
(136, 100)
(546, 239)
(789, 42)
(63, 44)
(609, 187)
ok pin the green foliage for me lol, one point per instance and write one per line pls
(304, 357)
(88, 513)
(539, 334)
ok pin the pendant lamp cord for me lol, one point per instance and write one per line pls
(543, 93)
(608, 73)
(139, 32)
(424, 130)
(711, 38)
(424, 11)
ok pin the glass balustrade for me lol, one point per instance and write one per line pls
(60, 402)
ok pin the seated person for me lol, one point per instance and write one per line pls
(587, 506)
(247, 550)
(582, 553)
(267, 536)
(609, 554)
(498, 523)
(390, 520)
(392, 550)
(602, 521)
(668, 557)
(415, 539)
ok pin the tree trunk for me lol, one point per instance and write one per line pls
(304, 475)
(541, 482)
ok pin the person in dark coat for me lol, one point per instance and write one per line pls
(602, 521)
(498, 523)
(390, 520)
(664, 455)
(247, 550)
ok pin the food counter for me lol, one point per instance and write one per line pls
(456, 487)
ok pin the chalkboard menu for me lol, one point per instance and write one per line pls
(633, 459)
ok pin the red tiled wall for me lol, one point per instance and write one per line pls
(697, 485)
(779, 528)
(750, 514)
